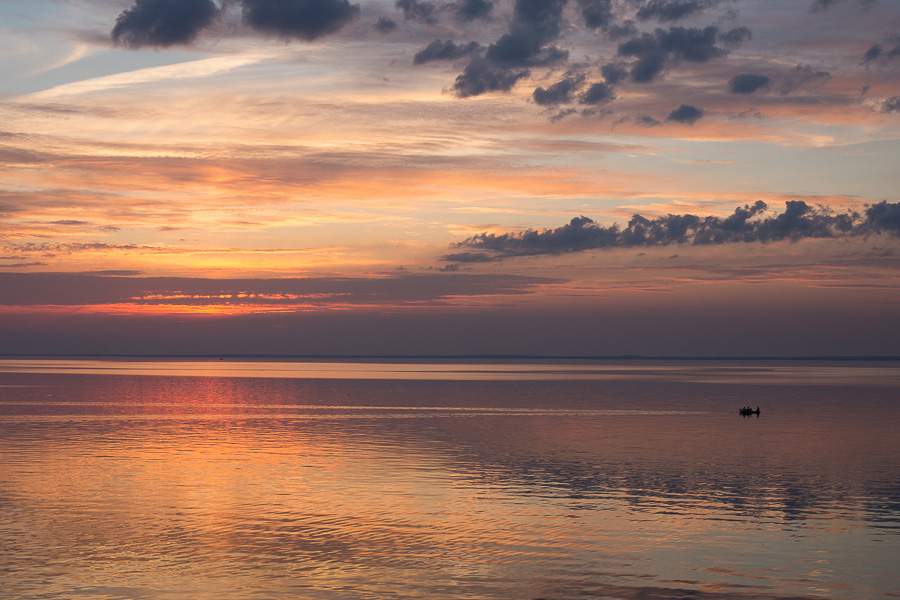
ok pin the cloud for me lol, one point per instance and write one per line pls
(163, 23)
(470, 10)
(887, 51)
(822, 5)
(736, 36)
(561, 92)
(647, 68)
(803, 75)
(430, 13)
(113, 273)
(414, 10)
(598, 93)
(97, 289)
(439, 50)
(566, 91)
(385, 25)
(527, 43)
(646, 121)
(24, 265)
(686, 114)
(883, 216)
(191, 70)
(746, 224)
(469, 257)
(622, 31)
(480, 76)
(69, 222)
(302, 19)
(535, 24)
(892, 104)
(666, 46)
(597, 14)
(48, 249)
(580, 234)
(747, 83)
(672, 10)
(613, 73)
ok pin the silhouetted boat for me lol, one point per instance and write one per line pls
(747, 411)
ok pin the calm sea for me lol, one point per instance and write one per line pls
(256, 480)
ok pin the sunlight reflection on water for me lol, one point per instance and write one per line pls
(157, 486)
(799, 373)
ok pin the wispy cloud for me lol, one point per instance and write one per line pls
(190, 70)
(97, 291)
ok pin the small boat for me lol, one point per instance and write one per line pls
(747, 411)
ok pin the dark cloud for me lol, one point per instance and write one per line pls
(470, 10)
(671, 10)
(613, 73)
(872, 53)
(646, 68)
(621, 31)
(516, 51)
(735, 37)
(747, 83)
(302, 19)
(385, 25)
(695, 45)
(535, 24)
(803, 75)
(892, 104)
(821, 5)
(561, 92)
(469, 257)
(440, 50)
(163, 23)
(528, 43)
(430, 13)
(23, 265)
(646, 121)
(580, 234)
(798, 221)
(686, 114)
(480, 76)
(598, 93)
(565, 113)
(886, 51)
(113, 273)
(654, 51)
(884, 216)
(597, 14)
(414, 10)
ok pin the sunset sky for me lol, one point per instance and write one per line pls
(539, 177)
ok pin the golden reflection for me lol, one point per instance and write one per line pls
(234, 475)
(762, 373)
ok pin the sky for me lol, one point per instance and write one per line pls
(447, 177)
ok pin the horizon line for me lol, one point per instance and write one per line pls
(860, 358)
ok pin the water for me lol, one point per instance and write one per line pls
(274, 480)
